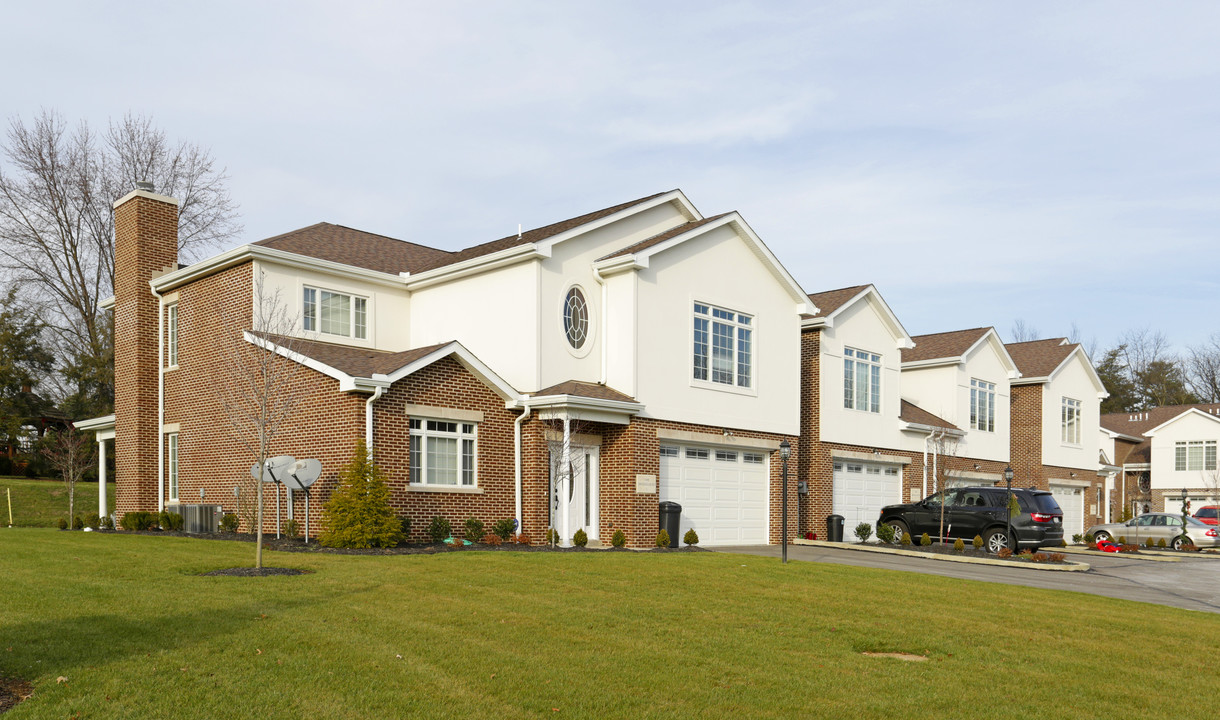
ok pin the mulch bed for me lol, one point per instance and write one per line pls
(255, 572)
(13, 692)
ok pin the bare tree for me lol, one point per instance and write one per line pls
(57, 225)
(71, 454)
(1023, 331)
(563, 464)
(262, 388)
(1203, 369)
(1141, 347)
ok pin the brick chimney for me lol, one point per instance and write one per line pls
(145, 246)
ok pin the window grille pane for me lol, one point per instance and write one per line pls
(726, 456)
(874, 398)
(752, 458)
(442, 461)
(1209, 456)
(336, 313)
(1179, 456)
(696, 453)
(360, 318)
(849, 382)
(743, 357)
(310, 313)
(722, 353)
(669, 451)
(701, 347)
(468, 462)
(173, 467)
(416, 455)
(721, 314)
(861, 386)
(1194, 456)
(700, 309)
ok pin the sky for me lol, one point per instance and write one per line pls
(980, 163)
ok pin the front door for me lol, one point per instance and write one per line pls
(582, 497)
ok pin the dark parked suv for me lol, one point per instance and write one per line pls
(971, 511)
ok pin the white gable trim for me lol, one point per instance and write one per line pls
(879, 304)
(993, 338)
(1078, 353)
(245, 253)
(1179, 416)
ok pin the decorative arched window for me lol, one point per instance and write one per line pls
(576, 317)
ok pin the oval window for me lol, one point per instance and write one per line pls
(575, 318)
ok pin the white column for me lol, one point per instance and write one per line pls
(101, 478)
(565, 490)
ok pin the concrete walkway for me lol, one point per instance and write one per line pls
(1193, 584)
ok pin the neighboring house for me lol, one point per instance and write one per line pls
(1056, 408)
(1165, 453)
(31, 417)
(573, 375)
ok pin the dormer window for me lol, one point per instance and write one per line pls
(333, 313)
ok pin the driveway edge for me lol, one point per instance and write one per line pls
(1071, 566)
(1141, 555)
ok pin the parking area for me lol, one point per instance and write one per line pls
(1193, 584)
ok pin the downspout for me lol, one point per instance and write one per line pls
(926, 440)
(597, 275)
(160, 400)
(517, 465)
(1109, 483)
(368, 417)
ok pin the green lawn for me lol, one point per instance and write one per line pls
(138, 634)
(41, 503)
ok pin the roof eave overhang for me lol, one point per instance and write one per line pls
(617, 412)
(474, 266)
(101, 427)
(247, 253)
(930, 362)
(927, 429)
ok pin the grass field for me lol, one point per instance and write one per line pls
(40, 503)
(136, 633)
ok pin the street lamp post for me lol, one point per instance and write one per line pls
(785, 449)
(1008, 505)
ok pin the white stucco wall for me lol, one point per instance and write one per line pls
(944, 391)
(1186, 428)
(1073, 381)
(862, 327)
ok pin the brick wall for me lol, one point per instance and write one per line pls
(145, 245)
(1026, 442)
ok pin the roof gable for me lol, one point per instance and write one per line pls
(1192, 412)
(832, 304)
(956, 347)
(1040, 361)
(1138, 423)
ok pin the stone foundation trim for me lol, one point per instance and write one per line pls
(971, 475)
(167, 428)
(440, 413)
(870, 457)
(714, 439)
(1070, 483)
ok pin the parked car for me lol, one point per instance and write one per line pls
(1168, 526)
(1206, 514)
(971, 511)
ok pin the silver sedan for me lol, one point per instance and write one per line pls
(1158, 526)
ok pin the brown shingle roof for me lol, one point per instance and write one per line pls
(662, 237)
(1039, 358)
(356, 247)
(357, 362)
(1139, 422)
(912, 413)
(584, 389)
(942, 345)
(831, 300)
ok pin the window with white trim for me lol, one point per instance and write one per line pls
(723, 346)
(1070, 417)
(982, 405)
(171, 322)
(335, 313)
(575, 317)
(443, 453)
(1194, 455)
(172, 464)
(861, 380)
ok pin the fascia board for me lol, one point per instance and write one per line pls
(1123, 436)
(870, 293)
(673, 195)
(816, 322)
(930, 362)
(993, 338)
(474, 266)
(347, 383)
(925, 429)
(468, 360)
(105, 422)
(616, 265)
(579, 402)
(1082, 356)
(1023, 380)
(1179, 416)
(244, 253)
(106, 304)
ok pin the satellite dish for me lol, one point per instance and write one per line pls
(277, 468)
(306, 472)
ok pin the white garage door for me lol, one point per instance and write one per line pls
(860, 491)
(1071, 500)
(723, 493)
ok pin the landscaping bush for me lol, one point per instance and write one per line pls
(454, 542)
(169, 520)
(885, 533)
(691, 537)
(228, 522)
(663, 538)
(439, 529)
(491, 539)
(959, 546)
(358, 514)
(1039, 557)
(474, 530)
(581, 538)
(977, 542)
(62, 523)
(1004, 553)
(523, 539)
(77, 523)
(1190, 546)
(618, 539)
(1131, 548)
(137, 520)
(291, 528)
(1058, 557)
(404, 525)
(924, 540)
(1077, 539)
(552, 537)
(864, 531)
(906, 539)
(93, 520)
(1161, 543)
(504, 528)
(107, 523)
(1122, 539)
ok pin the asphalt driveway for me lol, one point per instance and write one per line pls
(1193, 584)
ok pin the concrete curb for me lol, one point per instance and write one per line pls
(1149, 555)
(1069, 567)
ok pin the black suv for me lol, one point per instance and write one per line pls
(971, 511)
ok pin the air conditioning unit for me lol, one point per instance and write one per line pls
(197, 518)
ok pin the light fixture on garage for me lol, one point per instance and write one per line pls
(976, 466)
(1073, 474)
(785, 449)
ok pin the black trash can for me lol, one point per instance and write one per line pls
(834, 528)
(670, 513)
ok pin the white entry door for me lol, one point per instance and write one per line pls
(582, 499)
(723, 492)
(861, 489)
(1071, 501)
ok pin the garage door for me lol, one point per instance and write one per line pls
(723, 493)
(1071, 500)
(860, 491)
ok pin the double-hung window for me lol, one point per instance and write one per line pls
(1070, 418)
(172, 441)
(443, 453)
(335, 313)
(171, 321)
(1195, 455)
(723, 346)
(861, 380)
(982, 405)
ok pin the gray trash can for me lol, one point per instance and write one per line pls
(670, 514)
(834, 528)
